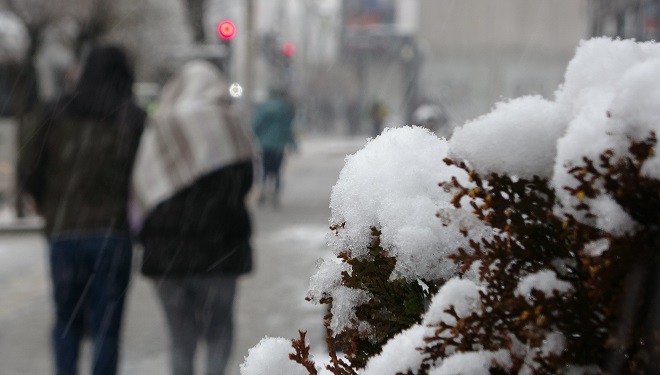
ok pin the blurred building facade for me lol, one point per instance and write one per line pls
(638, 19)
(477, 53)
(380, 53)
(464, 55)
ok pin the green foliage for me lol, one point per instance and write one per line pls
(395, 304)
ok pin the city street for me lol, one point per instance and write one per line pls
(287, 242)
(517, 160)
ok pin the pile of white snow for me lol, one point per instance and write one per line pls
(271, 356)
(610, 95)
(392, 184)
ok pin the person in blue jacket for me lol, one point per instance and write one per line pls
(273, 126)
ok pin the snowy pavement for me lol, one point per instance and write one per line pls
(270, 301)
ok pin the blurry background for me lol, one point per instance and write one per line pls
(337, 57)
(447, 60)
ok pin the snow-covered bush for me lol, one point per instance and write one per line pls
(528, 243)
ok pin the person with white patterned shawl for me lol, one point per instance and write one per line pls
(193, 170)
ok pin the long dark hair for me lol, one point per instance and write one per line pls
(105, 84)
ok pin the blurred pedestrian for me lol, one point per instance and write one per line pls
(77, 168)
(378, 114)
(192, 174)
(273, 126)
(433, 117)
(353, 116)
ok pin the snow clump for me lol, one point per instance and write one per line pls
(392, 184)
(400, 354)
(517, 138)
(473, 363)
(609, 96)
(543, 281)
(461, 294)
(271, 356)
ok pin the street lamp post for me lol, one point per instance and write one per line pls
(249, 57)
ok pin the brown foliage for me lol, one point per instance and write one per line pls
(528, 238)
(608, 318)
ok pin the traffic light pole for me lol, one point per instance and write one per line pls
(249, 57)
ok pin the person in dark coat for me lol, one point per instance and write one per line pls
(193, 172)
(77, 167)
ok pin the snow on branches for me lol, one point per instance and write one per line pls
(528, 243)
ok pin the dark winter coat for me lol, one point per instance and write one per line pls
(77, 167)
(203, 229)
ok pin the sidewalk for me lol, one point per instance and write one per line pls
(19, 225)
(9, 223)
(270, 301)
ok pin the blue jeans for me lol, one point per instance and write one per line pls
(90, 275)
(272, 164)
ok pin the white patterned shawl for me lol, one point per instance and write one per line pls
(193, 133)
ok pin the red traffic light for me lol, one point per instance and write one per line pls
(226, 30)
(288, 49)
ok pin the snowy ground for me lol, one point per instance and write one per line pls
(270, 302)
